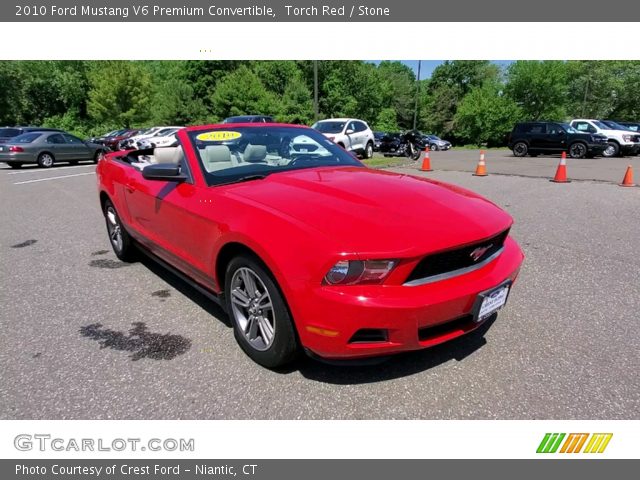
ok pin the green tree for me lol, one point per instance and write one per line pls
(486, 116)
(539, 88)
(386, 121)
(297, 102)
(119, 93)
(399, 88)
(242, 93)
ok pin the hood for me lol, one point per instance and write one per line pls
(363, 211)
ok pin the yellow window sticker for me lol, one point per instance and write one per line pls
(218, 136)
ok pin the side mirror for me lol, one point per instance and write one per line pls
(349, 131)
(163, 171)
(561, 132)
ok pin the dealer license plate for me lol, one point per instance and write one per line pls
(490, 302)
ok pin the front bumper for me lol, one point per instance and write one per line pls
(412, 317)
(630, 148)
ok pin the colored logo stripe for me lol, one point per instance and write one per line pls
(550, 442)
(598, 442)
(575, 441)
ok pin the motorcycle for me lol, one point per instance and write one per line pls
(408, 144)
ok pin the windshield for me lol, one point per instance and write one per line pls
(569, 128)
(26, 137)
(329, 127)
(616, 126)
(247, 153)
(9, 132)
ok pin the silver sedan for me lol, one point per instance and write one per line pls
(47, 148)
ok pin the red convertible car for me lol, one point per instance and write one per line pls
(305, 247)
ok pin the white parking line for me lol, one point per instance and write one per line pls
(54, 178)
(42, 170)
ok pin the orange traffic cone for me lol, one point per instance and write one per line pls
(426, 161)
(481, 169)
(627, 181)
(561, 172)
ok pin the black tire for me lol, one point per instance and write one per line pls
(368, 151)
(97, 155)
(612, 149)
(577, 150)
(46, 160)
(15, 165)
(520, 149)
(434, 147)
(124, 250)
(283, 347)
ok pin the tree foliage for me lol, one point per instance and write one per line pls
(464, 101)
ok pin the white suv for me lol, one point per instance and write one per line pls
(620, 142)
(350, 133)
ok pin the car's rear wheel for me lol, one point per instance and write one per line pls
(520, 149)
(45, 160)
(97, 156)
(434, 147)
(577, 150)
(368, 151)
(611, 150)
(261, 321)
(119, 238)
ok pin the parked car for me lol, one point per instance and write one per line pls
(536, 138)
(620, 142)
(113, 142)
(133, 141)
(7, 133)
(350, 133)
(407, 144)
(633, 126)
(310, 252)
(377, 138)
(47, 148)
(436, 143)
(249, 119)
(107, 136)
(166, 139)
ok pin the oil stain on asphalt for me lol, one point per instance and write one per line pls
(107, 263)
(139, 341)
(99, 252)
(26, 243)
(161, 294)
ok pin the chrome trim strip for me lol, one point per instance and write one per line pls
(453, 273)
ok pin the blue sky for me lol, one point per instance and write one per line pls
(428, 66)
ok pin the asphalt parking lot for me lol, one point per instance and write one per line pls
(87, 337)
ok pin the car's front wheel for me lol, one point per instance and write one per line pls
(577, 150)
(261, 321)
(611, 150)
(368, 151)
(434, 147)
(119, 238)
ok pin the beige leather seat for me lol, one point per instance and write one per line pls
(173, 155)
(255, 153)
(217, 157)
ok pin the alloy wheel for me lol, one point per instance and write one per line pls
(115, 230)
(252, 308)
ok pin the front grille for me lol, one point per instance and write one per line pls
(451, 260)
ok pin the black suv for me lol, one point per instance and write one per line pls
(536, 138)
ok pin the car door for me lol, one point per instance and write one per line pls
(556, 138)
(361, 135)
(76, 148)
(58, 146)
(351, 136)
(536, 132)
(161, 213)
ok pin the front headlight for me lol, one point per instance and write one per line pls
(627, 138)
(352, 272)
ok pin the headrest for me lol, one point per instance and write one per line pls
(255, 153)
(168, 155)
(216, 153)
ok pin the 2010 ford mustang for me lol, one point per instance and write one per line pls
(305, 247)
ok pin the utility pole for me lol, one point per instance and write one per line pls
(415, 110)
(315, 90)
